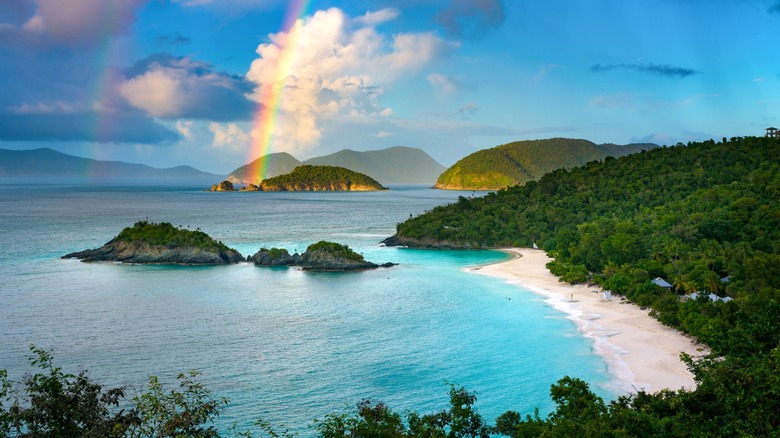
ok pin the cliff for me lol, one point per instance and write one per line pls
(151, 243)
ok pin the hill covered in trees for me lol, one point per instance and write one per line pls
(395, 165)
(523, 161)
(273, 164)
(320, 178)
(705, 216)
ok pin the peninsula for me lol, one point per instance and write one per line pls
(161, 243)
(320, 256)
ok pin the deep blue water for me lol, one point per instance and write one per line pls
(282, 344)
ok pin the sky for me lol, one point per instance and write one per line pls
(214, 84)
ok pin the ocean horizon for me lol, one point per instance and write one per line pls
(283, 344)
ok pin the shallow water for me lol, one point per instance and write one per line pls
(282, 344)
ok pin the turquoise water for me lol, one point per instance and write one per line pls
(282, 344)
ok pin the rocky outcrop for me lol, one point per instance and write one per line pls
(274, 257)
(141, 252)
(161, 243)
(396, 240)
(224, 186)
(321, 256)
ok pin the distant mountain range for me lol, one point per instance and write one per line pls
(47, 162)
(523, 161)
(395, 165)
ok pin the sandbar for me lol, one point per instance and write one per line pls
(641, 353)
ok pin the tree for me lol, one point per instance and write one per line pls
(186, 413)
(56, 404)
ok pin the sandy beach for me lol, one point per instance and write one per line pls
(641, 352)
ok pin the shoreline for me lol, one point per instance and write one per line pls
(641, 353)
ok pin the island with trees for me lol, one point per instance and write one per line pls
(320, 256)
(310, 178)
(161, 243)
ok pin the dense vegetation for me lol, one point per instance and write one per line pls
(523, 161)
(165, 234)
(705, 216)
(319, 178)
(336, 250)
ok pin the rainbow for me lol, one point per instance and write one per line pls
(267, 116)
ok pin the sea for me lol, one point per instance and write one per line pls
(284, 345)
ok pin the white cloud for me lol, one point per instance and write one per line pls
(378, 17)
(443, 84)
(229, 137)
(185, 128)
(383, 134)
(166, 86)
(323, 68)
(158, 92)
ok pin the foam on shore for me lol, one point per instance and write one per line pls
(641, 353)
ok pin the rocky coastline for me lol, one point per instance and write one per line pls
(321, 256)
(143, 253)
(151, 243)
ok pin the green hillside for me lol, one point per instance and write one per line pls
(321, 178)
(523, 161)
(277, 164)
(395, 165)
(705, 217)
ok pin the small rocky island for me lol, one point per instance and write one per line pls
(308, 178)
(161, 243)
(320, 256)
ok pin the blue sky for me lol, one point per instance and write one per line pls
(171, 82)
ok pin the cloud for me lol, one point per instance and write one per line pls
(471, 18)
(655, 69)
(229, 137)
(468, 110)
(443, 84)
(324, 69)
(378, 17)
(171, 87)
(71, 23)
(175, 39)
(83, 126)
(185, 128)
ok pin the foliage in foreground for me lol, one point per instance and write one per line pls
(731, 399)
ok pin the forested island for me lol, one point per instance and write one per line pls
(307, 178)
(394, 165)
(320, 256)
(522, 161)
(161, 243)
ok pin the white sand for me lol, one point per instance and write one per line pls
(641, 352)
